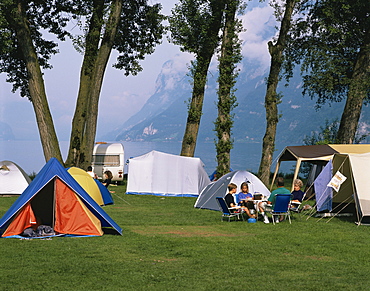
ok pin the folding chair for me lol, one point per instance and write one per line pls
(226, 211)
(296, 206)
(281, 206)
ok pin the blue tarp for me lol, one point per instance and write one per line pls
(51, 170)
(324, 194)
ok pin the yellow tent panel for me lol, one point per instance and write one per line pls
(87, 183)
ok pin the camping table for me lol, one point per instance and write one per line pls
(256, 202)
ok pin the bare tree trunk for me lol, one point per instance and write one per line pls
(271, 98)
(92, 75)
(36, 85)
(357, 93)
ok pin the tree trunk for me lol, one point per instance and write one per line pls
(75, 153)
(226, 81)
(357, 93)
(196, 105)
(201, 64)
(271, 98)
(97, 81)
(36, 85)
(92, 74)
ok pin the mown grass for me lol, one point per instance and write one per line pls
(167, 244)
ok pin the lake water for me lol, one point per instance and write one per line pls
(29, 155)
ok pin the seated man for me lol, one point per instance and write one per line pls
(271, 201)
(245, 200)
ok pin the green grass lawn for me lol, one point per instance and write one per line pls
(167, 244)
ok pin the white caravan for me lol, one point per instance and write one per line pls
(108, 156)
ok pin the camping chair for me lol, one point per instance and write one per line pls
(226, 210)
(297, 207)
(281, 206)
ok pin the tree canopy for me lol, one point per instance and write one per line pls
(132, 27)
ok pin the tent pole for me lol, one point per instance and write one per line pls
(296, 171)
(337, 212)
(274, 177)
(54, 201)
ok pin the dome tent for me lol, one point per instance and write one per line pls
(207, 198)
(13, 180)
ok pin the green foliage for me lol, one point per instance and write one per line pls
(140, 29)
(191, 22)
(326, 40)
(326, 135)
(41, 16)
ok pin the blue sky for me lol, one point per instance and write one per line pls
(121, 96)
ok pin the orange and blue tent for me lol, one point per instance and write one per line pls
(56, 199)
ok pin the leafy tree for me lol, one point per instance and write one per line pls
(195, 27)
(230, 56)
(333, 45)
(132, 27)
(272, 98)
(24, 53)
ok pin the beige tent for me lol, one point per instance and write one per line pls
(355, 188)
(316, 154)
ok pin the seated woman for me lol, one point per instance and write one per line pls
(245, 200)
(297, 194)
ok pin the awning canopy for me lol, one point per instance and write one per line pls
(315, 153)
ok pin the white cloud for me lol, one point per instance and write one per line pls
(259, 24)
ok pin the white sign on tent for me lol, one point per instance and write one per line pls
(337, 180)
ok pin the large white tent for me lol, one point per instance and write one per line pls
(353, 190)
(13, 180)
(207, 198)
(157, 173)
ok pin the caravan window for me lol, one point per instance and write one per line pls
(106, 160)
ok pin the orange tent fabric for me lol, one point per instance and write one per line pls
(71, 215)
(24, 219)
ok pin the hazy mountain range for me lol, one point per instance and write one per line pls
(163, 117)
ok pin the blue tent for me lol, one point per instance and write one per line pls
(42, 198)
(105, 194)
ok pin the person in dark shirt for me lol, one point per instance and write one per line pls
(229, 198)
(297, 194)
(107, 178)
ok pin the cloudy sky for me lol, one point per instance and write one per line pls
(121, 96)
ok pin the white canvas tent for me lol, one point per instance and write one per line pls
(355, 188)
(207, 198)
(13, 180)
(157, 173)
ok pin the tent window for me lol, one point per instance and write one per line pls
(106, 160)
